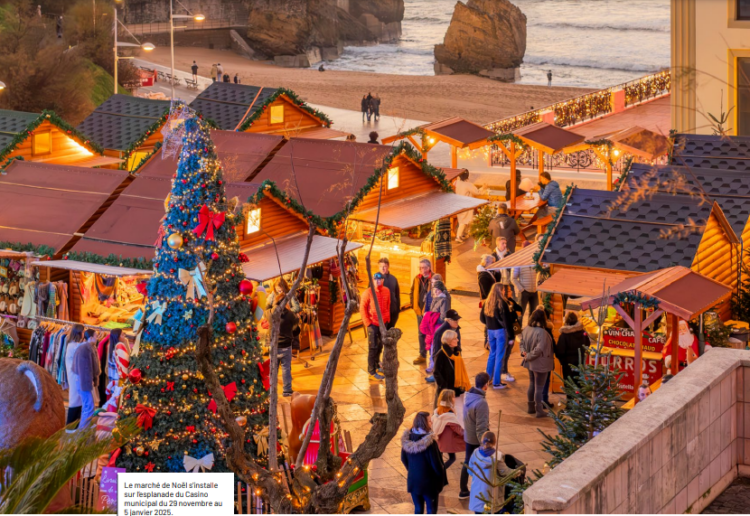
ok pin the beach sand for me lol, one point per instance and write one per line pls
(428, 98)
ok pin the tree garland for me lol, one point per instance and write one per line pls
(411, 132)
(156, 126)
(51, 117)
(257, 113)
(112, 259)
(269, 187)
(146, 159)
(508, 136)
(40, 250)
(617, 184)
(623, 298)
(9, 161)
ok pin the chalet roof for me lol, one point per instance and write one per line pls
(640, 142)
(228, 104)
(584, 283)
(12, 123)
(109, 270)
(46, 204)
(122, 120)
(523, 257)
(694, 145)
(588, 235)
(548, 137)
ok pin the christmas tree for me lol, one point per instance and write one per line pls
(198, 255)
(741, 300)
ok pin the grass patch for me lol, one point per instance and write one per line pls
(104, 84)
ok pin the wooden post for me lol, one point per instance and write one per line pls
(513, 176)
(609, 176)
(454, 156)
(638, 365)
(674, 343)
(541, 163)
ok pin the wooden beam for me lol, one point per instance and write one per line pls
(513, 174)
(454, 156)
(609, 176)
(625, 316)
(651, 318)
(413, 142)
(638, 360)
(674, 343)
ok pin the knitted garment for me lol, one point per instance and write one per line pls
(443, 244)
(42, 298)
(52, 305)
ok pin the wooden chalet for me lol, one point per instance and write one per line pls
(46, 138)
(127, 127)
(257, 109)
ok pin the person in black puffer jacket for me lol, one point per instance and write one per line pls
(425, 477)
(287, 331)
(485, 279)
(572, 345)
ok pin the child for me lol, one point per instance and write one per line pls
(482, 460)
(447, 427)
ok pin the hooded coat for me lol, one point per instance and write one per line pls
(486, 280)
(482, 460)
(423, 462)
(476, 416)
(449, 432)
(572, 339)
(537, 344)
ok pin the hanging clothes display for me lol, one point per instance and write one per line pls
(109, 301)
(12, 286)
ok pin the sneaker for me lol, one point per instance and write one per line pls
(430, 379)
(509, 378)
(419, 360)
(380, 370)
(377, 377)
(463, 495)
(499, 386)
(287, 395)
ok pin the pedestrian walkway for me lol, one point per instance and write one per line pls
(358, 399)
(734, 500)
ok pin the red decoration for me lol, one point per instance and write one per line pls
(135, 376)
(243, 258)
(207, 222)
(142, 288)
(145, 416)
(214, 256)
(190, 428)
(149, 467)
(246, 287)
(170, 386)
(264, 368)
(230, 391)
(212, 406)
(231, 327)
(171, 352)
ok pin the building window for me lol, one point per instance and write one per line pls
(392, 178)
(41, 143)
(277, 114)
(743, 96)
(135, 159)
(253, 221)
(743, 9)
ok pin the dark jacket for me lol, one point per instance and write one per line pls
(504, 226)
(438, 336)
(445, 372)
(365, 104)
(418, 293)
(500, 320)
(486, 280)
(519, 192)
(391, 283)
(571, 340)
(86, 366)
(423, 462)
(476, 416)
(194, 68)
(289, 322)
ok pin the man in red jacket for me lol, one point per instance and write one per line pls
(370, 320)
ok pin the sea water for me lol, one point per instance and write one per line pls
(588, 43)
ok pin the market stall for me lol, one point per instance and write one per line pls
(15, 274)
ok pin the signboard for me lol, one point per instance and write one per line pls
(624, 338)
(625, 362)
(108, 489)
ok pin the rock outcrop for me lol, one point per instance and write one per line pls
(485, 37)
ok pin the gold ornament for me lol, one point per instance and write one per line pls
(128, 450)
(241, 420)
(221, 375)
(145, 397)
(198, 375)
(231, 357)
(139, 450)
(184, 386)
(197, 416)
(185, 377)
(174, 241)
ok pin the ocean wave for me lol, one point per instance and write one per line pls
(634, 25)
(592, 63)
(428, 19)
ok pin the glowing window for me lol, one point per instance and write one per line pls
(135, 159)
(41, 143)
(277, 114)
(253, 221)
(392, 178)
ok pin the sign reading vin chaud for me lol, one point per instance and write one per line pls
(624, 338)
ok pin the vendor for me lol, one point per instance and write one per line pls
(687, 350)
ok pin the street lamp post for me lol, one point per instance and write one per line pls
(145, 46)
(172, 17)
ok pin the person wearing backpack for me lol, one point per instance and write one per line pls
(483, 460)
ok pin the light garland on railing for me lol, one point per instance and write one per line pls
(648, 87)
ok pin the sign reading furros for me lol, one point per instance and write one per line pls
(624, 338)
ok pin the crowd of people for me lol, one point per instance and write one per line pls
(370, 106)
(218, 74)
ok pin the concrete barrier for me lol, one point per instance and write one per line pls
(673, 453)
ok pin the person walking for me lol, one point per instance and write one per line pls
(374, 138)
(369, 106)
(364, 105)
(194, 69)
(450, 369)
(467, 189)
(370, 321)
(219, 71)
(214, 72)
(549, 78)
(289, 327)
(450, 323)
(536, 350)
(516, 319)
(495, 315)
(86, 366)
(59, 25)
(524, 280)
(476, 423)
(500, 252)
(417, 297)
(237, 79)
(549, 191)
(391, 283)
(572, 345)
(484, 459)
(376, 106)
(447, 427)
(226, 77)
(425, 471)
(503, 225)
(486, 280)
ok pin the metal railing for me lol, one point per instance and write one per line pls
(585, 160)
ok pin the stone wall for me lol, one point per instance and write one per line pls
(220, 39)
(673, 453)
(149, 11)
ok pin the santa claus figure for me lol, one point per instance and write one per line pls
(687, 350)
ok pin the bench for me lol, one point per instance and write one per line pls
(191, 84)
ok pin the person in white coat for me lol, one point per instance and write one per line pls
(468, 189)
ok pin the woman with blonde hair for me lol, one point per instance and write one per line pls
(278, 291)
(495, 315)
(447, 428)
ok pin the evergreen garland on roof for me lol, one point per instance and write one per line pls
(112, 260)
(258, 112)
(617, 184)
(51, 117)
(40, 250)
(269, 187)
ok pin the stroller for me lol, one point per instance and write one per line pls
(513, 463)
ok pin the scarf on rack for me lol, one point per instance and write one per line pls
(461, 374)
(443, 246)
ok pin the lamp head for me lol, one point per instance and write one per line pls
(2, 85)
(148, 47)
(199, 17)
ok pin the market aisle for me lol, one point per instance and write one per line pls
(358, 399)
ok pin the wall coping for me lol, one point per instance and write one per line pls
(580, 472)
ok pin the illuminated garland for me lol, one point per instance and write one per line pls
(146, 159)
(623, 298)
(261, 109)
(617, 183)
(51, 117)
(648, 87)
(269, 187)
(135, 145)
(508, 137)
(112, 259)
(579, 109)
(508, 125)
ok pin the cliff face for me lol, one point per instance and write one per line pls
(484, 36)
(386, 11)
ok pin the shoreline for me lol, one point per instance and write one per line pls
(419, 97)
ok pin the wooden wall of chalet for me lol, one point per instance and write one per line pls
(295, 119)
(65, 150)
(146, 147)
(745, 237)
(717, 258)
(412, 181)
(275, 221)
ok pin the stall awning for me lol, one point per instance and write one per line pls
(419, 209)
(455, 131)
(322, 133)
(679, 290)
(264, 260)
(521, 258)
(581, 282)
(547, 137)
(638, 141)
(452, 173)
(109, 270)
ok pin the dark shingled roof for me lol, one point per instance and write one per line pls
(122, 120)
(12, 123)
(589, 236)
(228, 104)
(704, 145)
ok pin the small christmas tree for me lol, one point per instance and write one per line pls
(741, 300)
(479, 229)
(198, 254)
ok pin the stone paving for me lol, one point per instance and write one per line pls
(734, 500)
